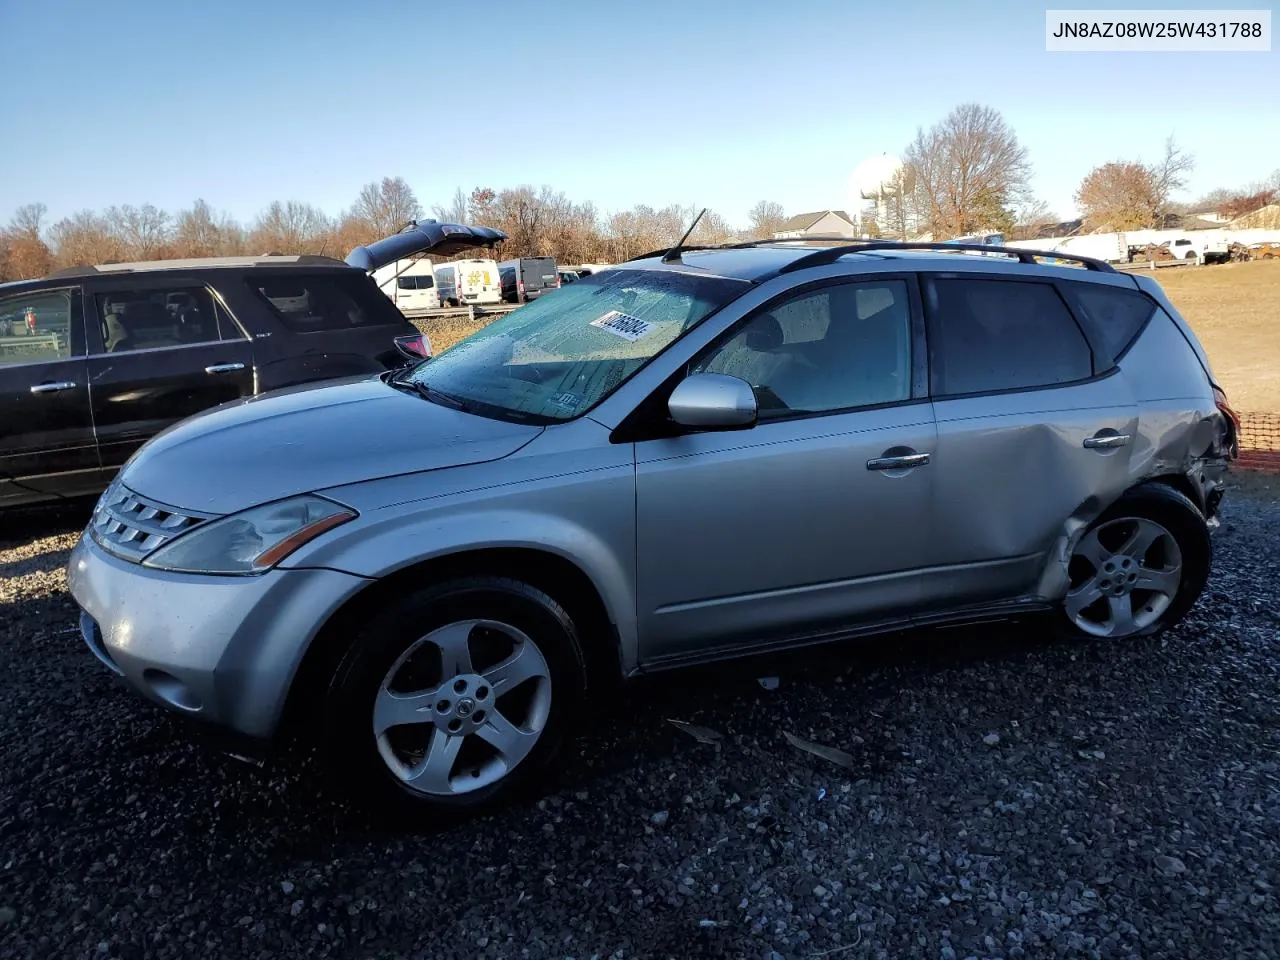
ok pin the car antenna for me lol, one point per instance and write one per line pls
(673, 255)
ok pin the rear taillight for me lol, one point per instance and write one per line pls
(1233, 441)
(416, 347)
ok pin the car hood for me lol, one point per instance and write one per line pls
(308, 438)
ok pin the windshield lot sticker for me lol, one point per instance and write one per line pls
(629, 328)
(570, 400)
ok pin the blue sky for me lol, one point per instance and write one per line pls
(714, 102)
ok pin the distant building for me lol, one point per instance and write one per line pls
(819, 223)
(1264, 218)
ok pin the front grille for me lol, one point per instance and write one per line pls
(131, 526)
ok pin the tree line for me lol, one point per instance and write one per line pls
(965, 174)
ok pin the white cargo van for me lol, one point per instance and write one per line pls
(460, 282)
(411, 284)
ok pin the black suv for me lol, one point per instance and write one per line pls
(94, 361)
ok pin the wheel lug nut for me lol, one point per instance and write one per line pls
(478, 717)
(459, 686)
(481, 692)
(455, 725)
(443, 706)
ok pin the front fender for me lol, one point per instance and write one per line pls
(604, 551)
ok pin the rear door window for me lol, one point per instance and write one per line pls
(144, 319)
(315, 303)
(991, 335)
(1114, 316)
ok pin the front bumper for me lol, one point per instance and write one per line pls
(221, 649)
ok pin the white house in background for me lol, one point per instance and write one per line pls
(818, 223)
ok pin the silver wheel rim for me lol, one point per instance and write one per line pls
(480, 712)
(1124, 576)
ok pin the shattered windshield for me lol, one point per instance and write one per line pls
(558, 356)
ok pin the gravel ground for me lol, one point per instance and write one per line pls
(1008, 797)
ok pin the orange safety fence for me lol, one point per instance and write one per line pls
(1259, 442)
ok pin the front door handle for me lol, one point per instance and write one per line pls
(224, 368)
(56, 386)
(902, 462)
(1106, 441)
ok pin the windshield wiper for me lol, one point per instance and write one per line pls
(440, 397)
(429, 393)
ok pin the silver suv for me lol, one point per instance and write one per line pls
(690, 456)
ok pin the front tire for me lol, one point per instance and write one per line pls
(454, 700)
(1139, 567)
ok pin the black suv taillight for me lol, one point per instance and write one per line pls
(415, 347)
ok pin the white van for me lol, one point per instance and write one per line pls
(411, 284)
(468, 281)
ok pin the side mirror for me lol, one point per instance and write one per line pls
(417, 347)
(713, 400)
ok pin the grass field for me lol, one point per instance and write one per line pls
(1233, 307)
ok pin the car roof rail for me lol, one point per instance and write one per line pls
(829, 255)
(197, 263)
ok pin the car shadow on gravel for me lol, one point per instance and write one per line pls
(55, 558)
(21, 525)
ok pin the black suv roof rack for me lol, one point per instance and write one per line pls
(828, 255)
(196, 263)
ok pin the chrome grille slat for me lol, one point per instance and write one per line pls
(130, 526)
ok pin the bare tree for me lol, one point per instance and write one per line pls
(480, 205)
(387, 205)
(143, 231)
(711, 229)
(292, 227)
(456, 211)
(1169, 175)
(1118, 196)
(28, 220)
(1030, 217)
(969, 170)
(901, 204)
(25, 253)
(84, 239)
(1242, 204)
(767, 218)
(199, 232)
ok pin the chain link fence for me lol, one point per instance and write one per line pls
(1260, 442)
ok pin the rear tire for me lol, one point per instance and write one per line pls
(454, 700)
(1139, 567)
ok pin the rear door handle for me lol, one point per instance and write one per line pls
(1106, 441)
(898, 463)
(224, 368)
(56, 386)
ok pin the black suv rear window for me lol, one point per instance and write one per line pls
(312, 303)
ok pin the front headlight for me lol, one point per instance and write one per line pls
(252, 541)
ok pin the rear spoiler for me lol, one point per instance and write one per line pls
(422, 237)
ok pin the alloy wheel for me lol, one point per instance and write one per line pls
(1124, 574)
(461, 707)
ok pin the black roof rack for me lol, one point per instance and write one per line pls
(829, 255)
(192, 263)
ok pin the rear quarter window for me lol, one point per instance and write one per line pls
(318, 303)
(1115, 316)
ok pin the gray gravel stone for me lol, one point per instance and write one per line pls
(1111, 757)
